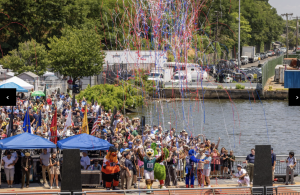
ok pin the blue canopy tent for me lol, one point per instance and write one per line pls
(25, 141)
(84, 142)
(13, 85)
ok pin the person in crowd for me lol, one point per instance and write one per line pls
(200, 166)
(290, 167)
(242, 176)
(26, 164)
(232, 160)
(273, 157)
(171, 168)
(250, 164)
(215, 163)
(123, 168)
(45, 161)
(9, 167)
(129, 170)
(206, 169)
(85, 161)
(226, 163)
(54, 165)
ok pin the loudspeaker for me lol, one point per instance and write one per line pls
(262, 166)
(90, 178)
(143, 121)
(71, 171)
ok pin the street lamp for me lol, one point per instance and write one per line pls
(239, 41)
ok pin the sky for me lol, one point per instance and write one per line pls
(286, 6)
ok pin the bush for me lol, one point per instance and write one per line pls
(220, 87)
(239, 86)
(234, 82)
(110, 95)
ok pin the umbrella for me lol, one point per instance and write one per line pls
(51, 78)
(37, 93)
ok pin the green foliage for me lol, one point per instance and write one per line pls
(77, 53)
(113, 95)
(233, 81)
(30, 56)
(141, 81)
(220, 87)
(239, 86)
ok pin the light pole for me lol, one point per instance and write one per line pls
(239, 41)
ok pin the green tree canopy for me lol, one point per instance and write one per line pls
(30, 56)
(109, 96)
(77, 53)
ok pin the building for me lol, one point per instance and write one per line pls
(121, 64)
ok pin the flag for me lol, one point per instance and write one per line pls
(97, 121)
(53, 127)
(68, 122)
(11, 123)
(26, 123)
(85, 126)
(39, 121)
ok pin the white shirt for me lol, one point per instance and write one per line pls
(96, 108)
(169, 138)
(85, 161)
(8, 161)
(239, 173)
(291, 161)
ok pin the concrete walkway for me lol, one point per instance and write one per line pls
(215, 183)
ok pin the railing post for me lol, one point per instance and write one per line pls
(169, 192)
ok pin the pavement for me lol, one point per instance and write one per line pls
(274, 85)
(257, 62)
(218, 184)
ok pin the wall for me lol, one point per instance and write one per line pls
(220, 94)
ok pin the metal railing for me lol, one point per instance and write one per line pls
(175, 191)
(43, 193)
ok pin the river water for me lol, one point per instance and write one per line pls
(241, 125)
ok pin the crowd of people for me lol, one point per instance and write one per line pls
(127, 137)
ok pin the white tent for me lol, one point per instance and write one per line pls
(18, 81)
(48, 74)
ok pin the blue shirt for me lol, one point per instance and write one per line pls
(130, 144)
(273, 156)
(250, 158)
(207, 166)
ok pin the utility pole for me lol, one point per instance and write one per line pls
(216, 36)
(297, 31)
(287, 32)
(239, 41)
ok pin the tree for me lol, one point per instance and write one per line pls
(30, 56)
(77, 53)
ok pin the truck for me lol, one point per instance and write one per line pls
(160, 76)
(250, 52)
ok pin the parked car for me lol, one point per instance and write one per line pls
(245, 60)
(270, 53)
(258, 55)
(255, 58)
(283, 49)
(234, 61)
(262, 56)
(227, 78)
(266, 54)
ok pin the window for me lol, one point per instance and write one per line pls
(116, 56)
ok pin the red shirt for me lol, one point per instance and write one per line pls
(49, 101)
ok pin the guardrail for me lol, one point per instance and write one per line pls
(44, 193)
(176, 191)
